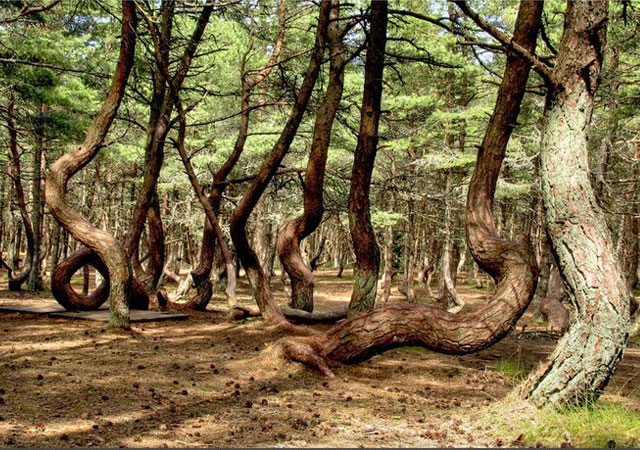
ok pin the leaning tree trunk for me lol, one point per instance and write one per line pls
(202, 273)
(108, 248)
(259, 282)
(291, 232)
(158, 128)
(365, 272)
(587, 355)
(512, 264)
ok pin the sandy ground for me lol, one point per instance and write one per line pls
(201, 382)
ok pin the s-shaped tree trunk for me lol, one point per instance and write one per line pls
(259, 282)
(365, 272)
(293, 231)
(512, 264)
(588, 353)
(108, 248)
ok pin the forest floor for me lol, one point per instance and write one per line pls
(201, 382)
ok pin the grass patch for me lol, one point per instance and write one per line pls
(413, 350)
(512, 369)
(604, 424)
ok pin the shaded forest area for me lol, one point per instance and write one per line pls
(397, 223)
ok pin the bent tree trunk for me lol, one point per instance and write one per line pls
(259, 282)
(202, 273)
(16, 281)
(108, 248)
(293, 231)
(587, 355)
(512, 264)
(365, 272)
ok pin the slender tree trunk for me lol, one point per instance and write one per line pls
(16, 282)
(365, 274)
(35, 277)
(293, 231)
(588, 353)
(551, 306)
(259, 282)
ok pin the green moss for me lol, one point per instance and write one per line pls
(413, 350)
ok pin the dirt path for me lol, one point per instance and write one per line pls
(198, 383)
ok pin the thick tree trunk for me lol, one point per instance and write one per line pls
(511, 263)
(365, 273)
(108, 248)
(259, 282)
(587, 355)
(292, 232)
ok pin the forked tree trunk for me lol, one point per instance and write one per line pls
(291, 232)
(512, 264)
(108, 248)
(587, 355)
(158, 127)
(174, 85)
(259, 282)
(365, 272)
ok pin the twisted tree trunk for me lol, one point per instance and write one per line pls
(510, 263)
(365, 272)
(108, 248)
(291, 232)
(259, 282)
(588, 353)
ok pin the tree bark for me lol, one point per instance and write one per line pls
(108, 248)
(365, 272)
(510, 263)
(35, 277)
(259, 282)
(587, 355)
(291, 232)
(16, 281)
(248, 80)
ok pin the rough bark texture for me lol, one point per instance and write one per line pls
(108, 248)
(365, 272)
(510, 263)
(292, 232)
(259, 282)
(587, 355)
